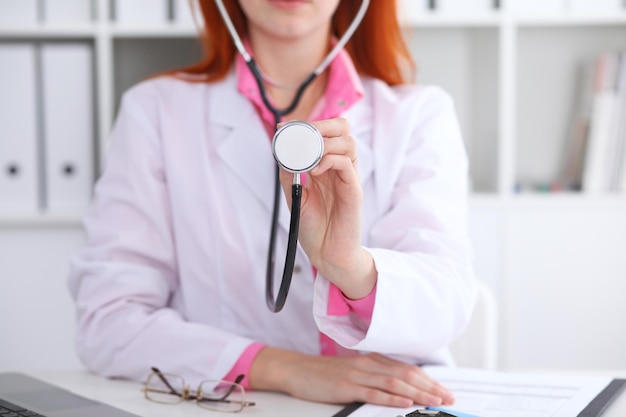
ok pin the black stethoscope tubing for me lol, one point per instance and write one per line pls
(275, 304)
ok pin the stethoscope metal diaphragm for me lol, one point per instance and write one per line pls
(298, 146)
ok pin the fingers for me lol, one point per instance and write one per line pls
(339, 155)
(428, 388)
(405, 381)
(369, 378)
(331, 128)
(340, 164)
(342, 145)
(399, 392)
(378, 397)
(339, 140)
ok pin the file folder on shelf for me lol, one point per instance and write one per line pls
(18, 130)
(412, 9)
(183, 14)
(67, 11)
(18, 12)
(141, 12)
(67, 79)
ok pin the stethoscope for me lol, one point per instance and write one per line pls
(297, 147)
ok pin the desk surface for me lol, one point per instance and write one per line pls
(128, 396)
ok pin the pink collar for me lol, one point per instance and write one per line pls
(344, 88)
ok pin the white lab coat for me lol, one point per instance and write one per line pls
(173, 274)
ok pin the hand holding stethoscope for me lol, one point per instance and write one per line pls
(330, 213)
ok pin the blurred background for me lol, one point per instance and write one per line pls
(540, 91)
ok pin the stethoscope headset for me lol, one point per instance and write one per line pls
(297, 147)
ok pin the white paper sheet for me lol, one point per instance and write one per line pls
(505, 394)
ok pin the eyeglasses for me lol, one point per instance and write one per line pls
(224, 396)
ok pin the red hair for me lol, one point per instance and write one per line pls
(377, 48)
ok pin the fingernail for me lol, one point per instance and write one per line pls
(446, 396)
(406, 403)
(433, 401)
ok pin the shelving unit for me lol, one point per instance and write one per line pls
(513, 79)
(485, 61)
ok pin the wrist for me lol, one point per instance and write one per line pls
(272, 369)
(357, 278)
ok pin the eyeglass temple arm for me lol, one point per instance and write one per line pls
(237, 380)
(165, 381)
(223, 400)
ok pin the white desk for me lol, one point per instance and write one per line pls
(128, 396)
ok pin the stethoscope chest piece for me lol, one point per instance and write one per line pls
(298, 146)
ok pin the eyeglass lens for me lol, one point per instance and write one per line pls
(212, 395)
(221, 396)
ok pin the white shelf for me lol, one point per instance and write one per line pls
(173, 29)
(48, 31)
(160, 31)
(41, 220)
(434, 20)
(548, 201)
(571, 21)
(410, 22)
(477, 201)
(567, 200)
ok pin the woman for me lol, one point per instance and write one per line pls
(173, 275)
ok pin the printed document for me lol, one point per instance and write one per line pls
(505, 394)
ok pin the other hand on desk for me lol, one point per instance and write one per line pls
(371, 378)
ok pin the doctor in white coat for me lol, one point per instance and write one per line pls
(173, 274)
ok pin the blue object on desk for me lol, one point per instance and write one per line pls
(454, 413)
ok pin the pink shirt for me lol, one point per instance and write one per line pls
(343, 89)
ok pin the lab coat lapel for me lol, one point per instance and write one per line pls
(244, 147)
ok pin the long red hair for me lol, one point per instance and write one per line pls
(377, 48)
